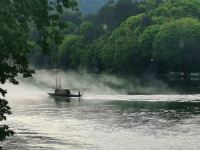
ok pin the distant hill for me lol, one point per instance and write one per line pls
(91, 6)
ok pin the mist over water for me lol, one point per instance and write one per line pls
(105, 118)
(45, 80)
(96, 84)
(91, 84)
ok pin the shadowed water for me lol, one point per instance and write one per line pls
(103, 122)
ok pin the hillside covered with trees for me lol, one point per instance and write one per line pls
(128, 37)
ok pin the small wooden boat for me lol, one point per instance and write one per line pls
(60, 92)
(64, 93)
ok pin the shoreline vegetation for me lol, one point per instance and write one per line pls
(129, 37)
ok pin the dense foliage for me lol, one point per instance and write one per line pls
(16, 19)
(133, 37)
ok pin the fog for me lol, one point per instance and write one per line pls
(99, 84)
(91, 85)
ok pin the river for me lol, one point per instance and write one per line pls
(102, 122)
(106, 123)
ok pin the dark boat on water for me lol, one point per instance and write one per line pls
(60, 92)
(64, 93)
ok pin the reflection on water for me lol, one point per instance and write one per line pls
(106, 124)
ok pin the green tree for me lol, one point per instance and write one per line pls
(92, 55)
(87, 30)
(177, 46)
(121, 52)
(15, 17)
(175, 9)
(70, 28)
(146, 41)
(70, 51)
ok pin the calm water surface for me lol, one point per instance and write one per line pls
(167, 122)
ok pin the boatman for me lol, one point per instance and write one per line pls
(79, 93)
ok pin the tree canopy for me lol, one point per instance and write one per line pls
(131, 37)
(177, 46)
(16, 18)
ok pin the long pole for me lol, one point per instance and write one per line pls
(56, 79)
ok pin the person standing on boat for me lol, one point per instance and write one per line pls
(79, 93)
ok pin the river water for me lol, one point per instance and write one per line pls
(102, 122)
(106, 123)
